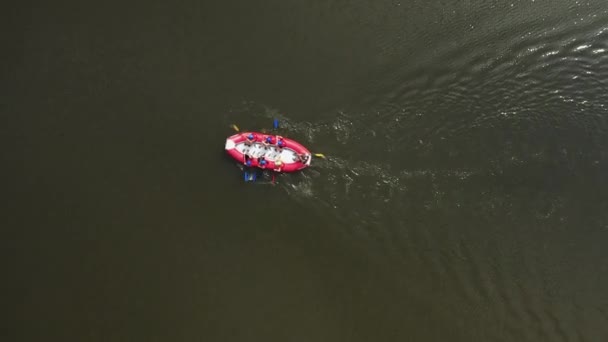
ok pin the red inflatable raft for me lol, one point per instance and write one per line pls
(267, 151)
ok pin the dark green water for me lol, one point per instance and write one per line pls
(464, 197)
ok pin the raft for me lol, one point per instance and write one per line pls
(291, 157)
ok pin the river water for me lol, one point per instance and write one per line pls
(464, 195)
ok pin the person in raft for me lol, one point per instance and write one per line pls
(247, 160)
(249, 142)
(280, 143)
(278, 165)
(268, 141)
(304, 158)
(262, 162)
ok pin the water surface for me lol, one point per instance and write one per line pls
(463, 197)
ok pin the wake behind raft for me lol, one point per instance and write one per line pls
(268, 152)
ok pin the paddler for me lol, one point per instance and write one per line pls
(248, 143)
(278, 165)
(280, 143)
(268, 141)
(262, 162)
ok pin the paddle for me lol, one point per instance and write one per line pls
(249, 176)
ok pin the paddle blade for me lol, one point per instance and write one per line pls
(234, 127)
(319, 155)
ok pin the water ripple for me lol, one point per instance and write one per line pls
(490, 129)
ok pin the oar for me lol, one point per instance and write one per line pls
(234, 127)
(319, 155)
